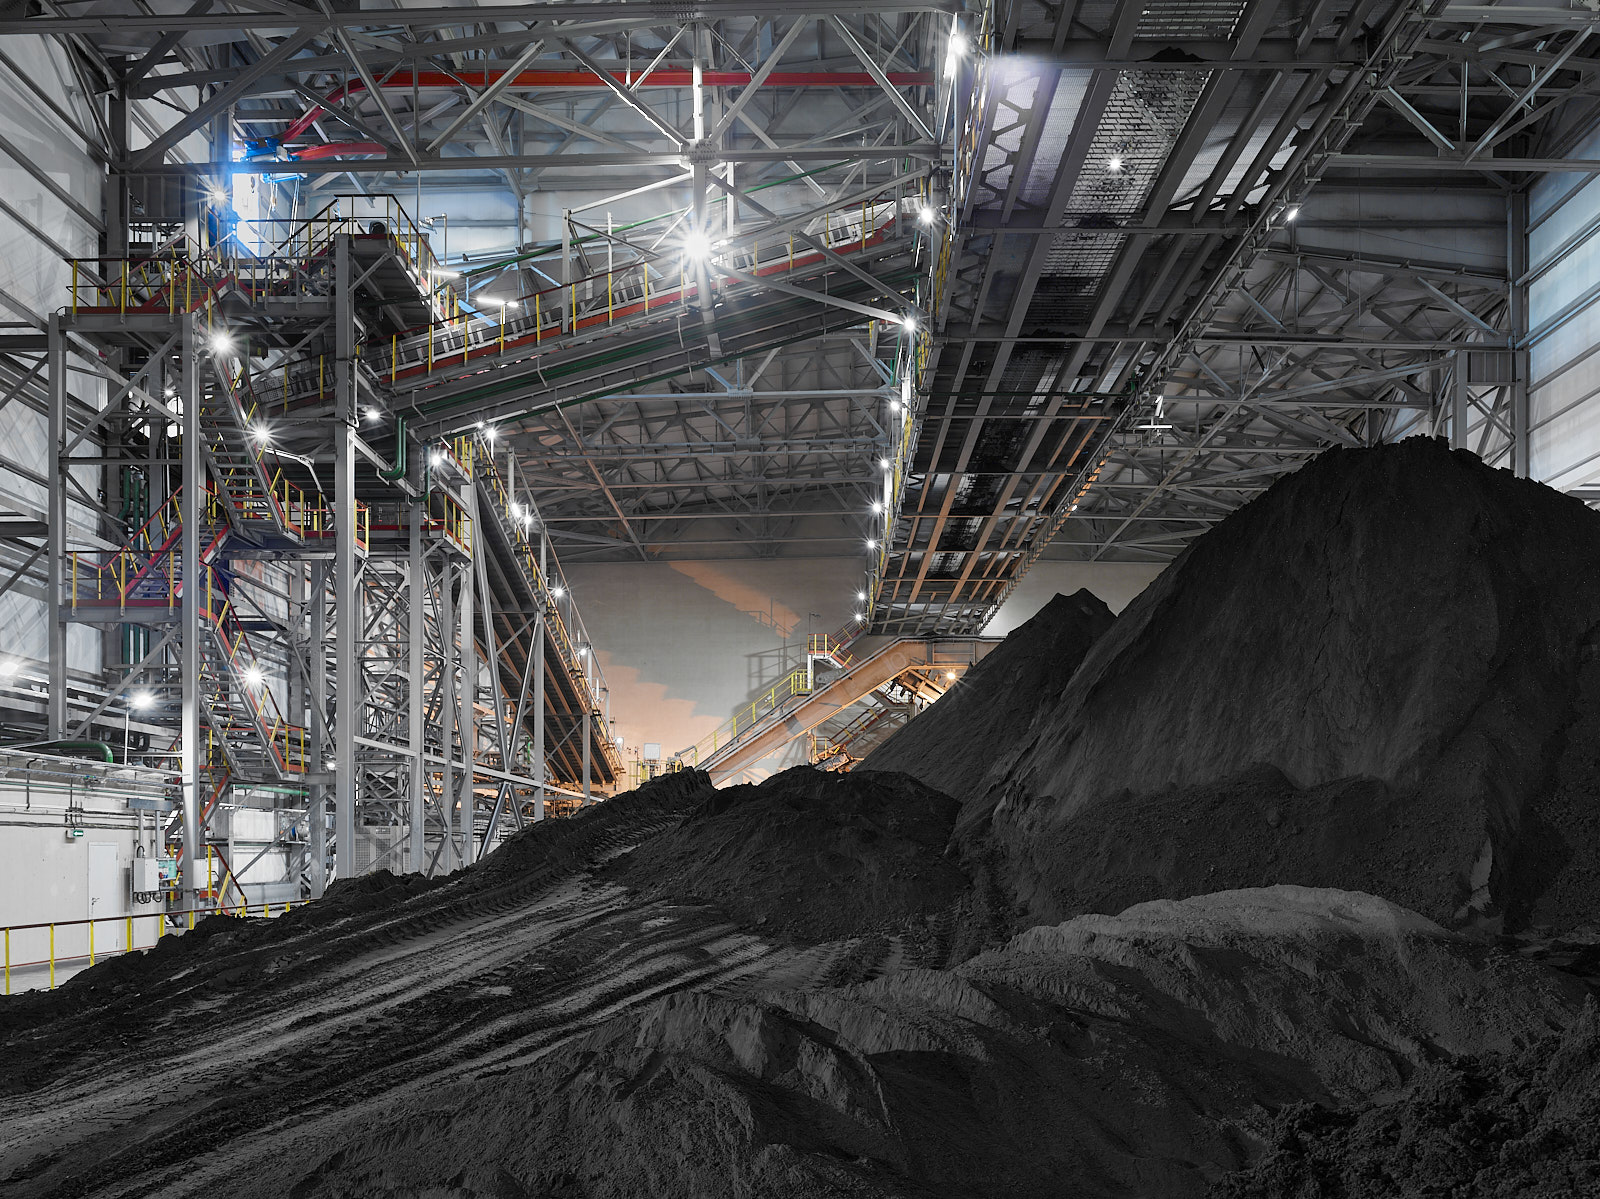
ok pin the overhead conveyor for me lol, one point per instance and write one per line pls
(807, 700)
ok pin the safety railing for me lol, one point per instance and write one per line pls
(145, 575)
(517, 519)
(739, 726)
(285, 741)
(526, 321)
(129, 924)
(834, 646)
(182, 275)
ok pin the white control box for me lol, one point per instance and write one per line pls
(146, 876)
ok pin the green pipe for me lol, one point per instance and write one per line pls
(99, 747)
(540, 251)
(398, 470)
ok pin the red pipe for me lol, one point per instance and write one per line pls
(665, 77)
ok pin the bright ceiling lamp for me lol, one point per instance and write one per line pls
(696, 246)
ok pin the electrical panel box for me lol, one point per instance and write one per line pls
(146, 876)
(169, 871)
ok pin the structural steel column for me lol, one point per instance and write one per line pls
(1517, 260)
(447, 707)
(1460, 408)
(537, 666)
(416, 592)
(56, 512)
(469, 688)
(317, 793)
(346, 598)
(189, 612)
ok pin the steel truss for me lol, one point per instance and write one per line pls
(1184, 256)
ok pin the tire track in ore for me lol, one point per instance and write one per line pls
(334, 1017)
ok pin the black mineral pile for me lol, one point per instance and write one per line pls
(1284, 884)
(811, 854)
(1382, 675)
(983, 724)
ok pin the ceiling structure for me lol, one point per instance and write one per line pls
(1157, 253)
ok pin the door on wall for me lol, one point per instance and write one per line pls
(105, 896)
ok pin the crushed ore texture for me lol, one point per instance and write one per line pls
(1380, 674)
(1492, 1127)
(810, 854)
(1109, 1056)
(986, 720)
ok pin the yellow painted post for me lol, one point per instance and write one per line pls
(538, 320)
(430, 347)
(572, 307)
(502, 330)
(394, 356)
(52, 957)
(645, 267)
(127, 940)
(91, 942)
(124, 304)
(191, 917)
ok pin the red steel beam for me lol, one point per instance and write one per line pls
(559, 80)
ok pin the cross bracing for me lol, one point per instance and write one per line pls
(656, 266)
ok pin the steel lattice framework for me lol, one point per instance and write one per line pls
(952, 287)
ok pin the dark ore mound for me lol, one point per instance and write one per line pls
(987, 720)
(1127, 1056)
(1382, 673)
(1495, 1127)
(223, 953)
(810, 854)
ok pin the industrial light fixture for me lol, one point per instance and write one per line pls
(144, 699)
(926, 215)
(374, 415)
(909, 320)
(1291, 212)
(860, 619)
(958, 47)
(497, 301)
(221, 342)
(697, 246)
(872, 543)
(488, 435)
(877, 507)
(885, 463)
(440, 272)
(558, 592)
(894, 405)
(862, 596)
(253, 676)
(435, 458)
(516, 511)
(950, 676)
(1114, 164)
(262, 434)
